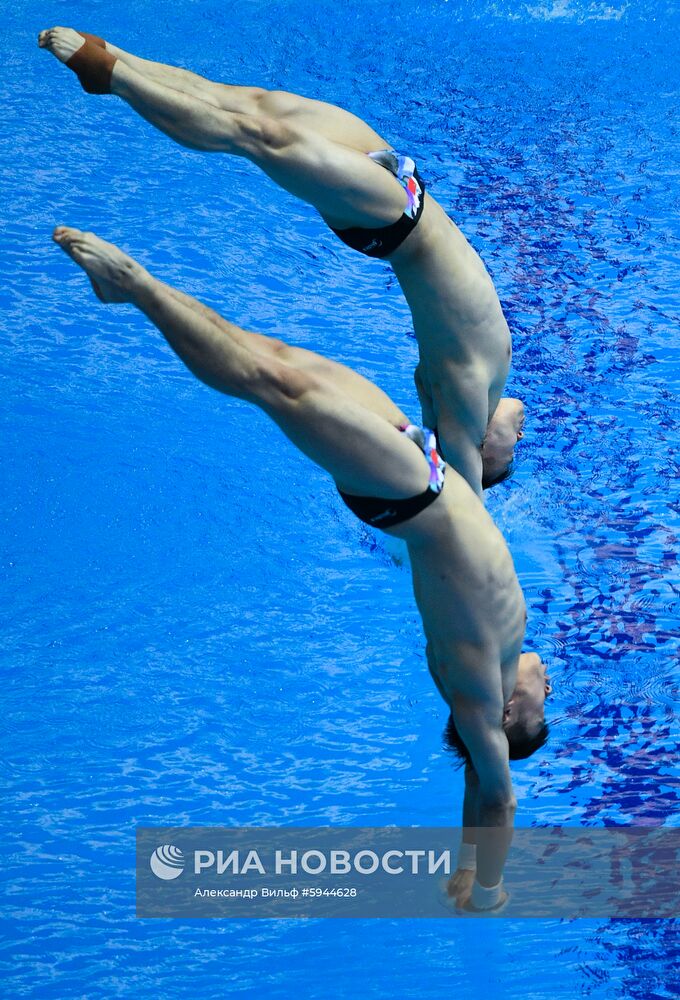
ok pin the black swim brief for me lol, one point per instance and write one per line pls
(381, 241)
(382, 513)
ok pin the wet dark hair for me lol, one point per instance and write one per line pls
(500, 478)
(520, 745)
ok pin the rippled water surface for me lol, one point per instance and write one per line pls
(198, 632)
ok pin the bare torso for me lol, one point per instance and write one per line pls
(467, 592)
(462, 334)
(463, 337)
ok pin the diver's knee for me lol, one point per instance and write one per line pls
(291, 384)
(263, 136)
(277, 385)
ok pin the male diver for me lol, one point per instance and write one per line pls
(389, 474)
(375, 200)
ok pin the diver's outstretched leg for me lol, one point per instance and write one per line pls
(221, 95)
(326, 119)
(348, 188)
(363, 451)
(349, 382)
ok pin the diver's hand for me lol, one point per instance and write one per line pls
(460, 886)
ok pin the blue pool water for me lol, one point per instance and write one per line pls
(198, 632)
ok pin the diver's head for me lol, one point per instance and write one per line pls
(505, 429)
(523, 716)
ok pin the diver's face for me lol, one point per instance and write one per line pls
(532, 687)
(505, 429)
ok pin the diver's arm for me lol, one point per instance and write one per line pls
(463, 420)
(479, 726)
(429, 417)
(460, 452)
(470, 805)
(463, 878)
(478, 811)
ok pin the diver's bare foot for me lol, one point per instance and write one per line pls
(61, 42)
(114, 276)
(86, 55)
